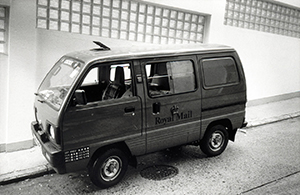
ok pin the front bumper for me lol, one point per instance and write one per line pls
(53, 155)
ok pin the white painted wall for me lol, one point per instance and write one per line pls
(3, 97)
(20, 69)
(295, 3)
(271, 62)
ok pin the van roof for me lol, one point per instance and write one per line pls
(142, 51)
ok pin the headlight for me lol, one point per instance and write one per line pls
(52, 132)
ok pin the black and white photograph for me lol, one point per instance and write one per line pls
(165, 97)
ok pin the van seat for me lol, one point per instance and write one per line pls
(116, 88)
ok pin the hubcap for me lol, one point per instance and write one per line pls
(216, 140)
(111, 168)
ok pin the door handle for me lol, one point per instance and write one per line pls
(129, 110)
(156, 108)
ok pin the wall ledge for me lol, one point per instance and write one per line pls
(16, 146)
(273, 99)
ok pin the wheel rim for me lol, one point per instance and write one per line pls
(111, 168)
(216, 140)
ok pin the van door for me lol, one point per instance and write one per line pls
(112, 112)
(172, 102)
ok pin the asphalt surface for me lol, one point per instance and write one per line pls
(265, 160)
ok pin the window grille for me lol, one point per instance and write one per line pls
(122, 19)
(3, 29)
(263, 16)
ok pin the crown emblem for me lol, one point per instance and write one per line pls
(174, 110)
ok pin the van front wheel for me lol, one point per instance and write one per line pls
(214, 141)
(109, 168)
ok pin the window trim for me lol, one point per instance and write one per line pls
(219, 85)
(145, 62)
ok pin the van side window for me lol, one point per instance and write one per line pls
(172, 77)
(91, 78)
(219, 71)
(106, 82)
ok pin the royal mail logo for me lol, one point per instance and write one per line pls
(175, 116)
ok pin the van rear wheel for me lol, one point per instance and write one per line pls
(109, 168)
(214, 141)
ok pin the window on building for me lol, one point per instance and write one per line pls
(166, 78)
(220, 71)
(3, 29)
(126, 19)
(262, 15)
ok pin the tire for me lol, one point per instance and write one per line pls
(109, 168)
(214, 141)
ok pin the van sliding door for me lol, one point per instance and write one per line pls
(172, 102)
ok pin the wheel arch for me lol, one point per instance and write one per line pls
(121, 146)
(227, 124)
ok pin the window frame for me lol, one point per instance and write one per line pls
(5, 30)
(83, 84)
(223, 84)
(165, 60)
(99, 65)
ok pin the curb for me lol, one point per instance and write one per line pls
(21, 175)
(272, 120)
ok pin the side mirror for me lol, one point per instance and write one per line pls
(80, 97)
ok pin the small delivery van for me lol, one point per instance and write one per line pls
(100, 109)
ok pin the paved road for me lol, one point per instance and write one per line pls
(266, 160)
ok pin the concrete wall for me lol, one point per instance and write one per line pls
(19, 77)
(3, 99)
(271, 62)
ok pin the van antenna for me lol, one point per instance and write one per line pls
(102, 46)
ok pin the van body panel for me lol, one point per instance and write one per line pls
(101, 121)
(225, 101)
(165, 129)
(100, 124)
(234, 114)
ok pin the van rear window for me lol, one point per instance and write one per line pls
(219, 71)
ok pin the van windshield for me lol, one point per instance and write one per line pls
(58, 81)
